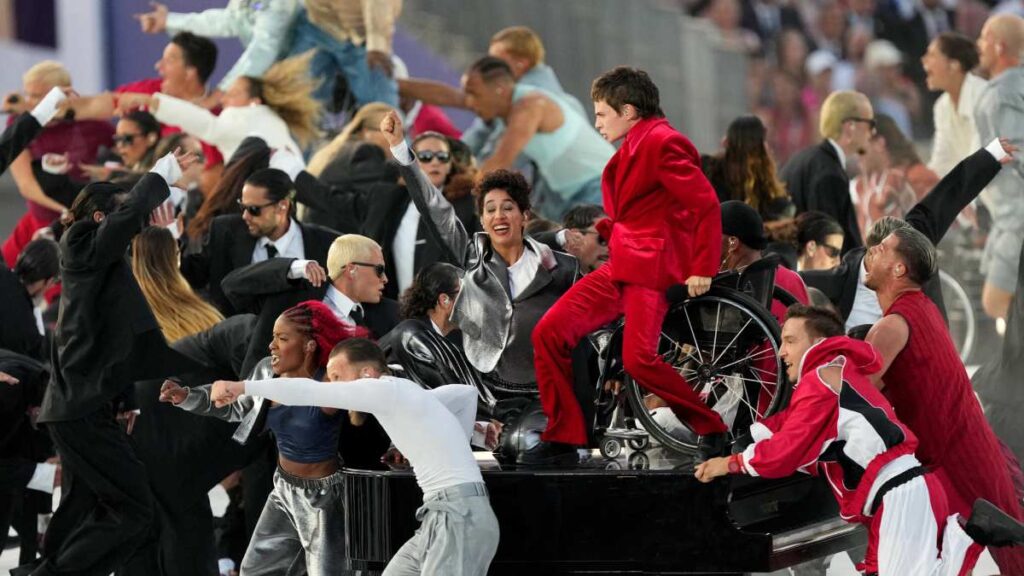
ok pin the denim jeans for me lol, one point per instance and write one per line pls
(333, 57)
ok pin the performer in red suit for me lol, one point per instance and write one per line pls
(928, 386)
(663, 228)
(839, 425)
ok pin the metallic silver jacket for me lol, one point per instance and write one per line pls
(248, 411)
(496, 328)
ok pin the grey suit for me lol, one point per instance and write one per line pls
(496, 327)
(1000, 113)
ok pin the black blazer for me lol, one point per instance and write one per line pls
(384, 211)
(18, 330)
(337, 199)
(816, 181)
(21, 446)
(106, 337)
(264, 289)
(932, 216)
(228, 246)
(16, 138)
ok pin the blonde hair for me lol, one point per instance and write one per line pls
(346, 249)
(287, 89)
(48, 72)
(522, 42)
(838, 107)
(178, 310)
(369, 116)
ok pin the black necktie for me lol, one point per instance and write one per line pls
(357, 314)
(271, 251)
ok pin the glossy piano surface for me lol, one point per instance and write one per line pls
(610, 517)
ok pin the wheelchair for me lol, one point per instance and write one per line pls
(725, 343)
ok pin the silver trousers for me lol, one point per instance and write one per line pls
(301, 530)
(458, 535)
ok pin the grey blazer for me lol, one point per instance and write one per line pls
(248, 411)
(496, 328)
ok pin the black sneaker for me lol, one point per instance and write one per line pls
(550, 454)
(711, 446)
(990, 526)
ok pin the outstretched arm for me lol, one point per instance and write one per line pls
(431, 92)
(371, 395)
(523, 123)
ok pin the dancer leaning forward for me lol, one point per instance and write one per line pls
(839, 425)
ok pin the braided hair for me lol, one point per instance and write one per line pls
(315, 321)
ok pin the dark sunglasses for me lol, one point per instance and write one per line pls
(872, 124)
(378, 269)
(600, 239)
(254, 210)
(126, 139)
(428, 155)
(832, 251)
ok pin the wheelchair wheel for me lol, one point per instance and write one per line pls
(726, 346)
(959, 313)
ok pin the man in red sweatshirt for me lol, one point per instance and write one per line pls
(839, 425)
(663, 228)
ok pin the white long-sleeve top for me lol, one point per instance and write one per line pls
(431, 428)
(228, 130)
(956, 137)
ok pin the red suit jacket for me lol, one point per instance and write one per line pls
(664, 222)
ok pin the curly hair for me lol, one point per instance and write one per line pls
(512, 182)
(286, 88)
(315, 321)
(431, 282)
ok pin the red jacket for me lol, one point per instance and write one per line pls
(664, 222)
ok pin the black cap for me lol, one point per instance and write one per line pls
(742, 221)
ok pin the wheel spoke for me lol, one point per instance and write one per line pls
(731, 342)
(754, 356)
(693, 334)
(714, 339)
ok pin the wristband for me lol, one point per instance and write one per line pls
(736, 464)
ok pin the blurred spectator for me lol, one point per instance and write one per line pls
(418, 116)
(178, 310)
(578, 236)
(770, 20)
(892, 177)
(862, 15)
(947, 65)
(820, 68)
(273, 107)
(48, 173)
(828, 35)
(790, 123)
(745, 171)
(262, 27)
(998, 114)
(726, 15)
(791, 54)
(890, 92)
(910, 25)
(847, 73)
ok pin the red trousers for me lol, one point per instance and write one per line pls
(591, 303)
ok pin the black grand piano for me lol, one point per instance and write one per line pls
(643, 513)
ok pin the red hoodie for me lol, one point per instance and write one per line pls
(847, 434)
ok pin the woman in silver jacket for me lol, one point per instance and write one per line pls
(510, 279)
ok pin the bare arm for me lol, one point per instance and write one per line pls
(523, 123)
(98, 107)
(431, 92)
(889, 336)
(28, 186)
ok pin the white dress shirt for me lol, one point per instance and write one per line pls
(839, 150)
(523, 272)
(403, 247)
(956, 137)
(341, 305)
(289, 245)
(866, 309)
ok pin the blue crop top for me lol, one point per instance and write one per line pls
(304, 433)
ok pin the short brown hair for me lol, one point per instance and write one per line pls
(361, 351)
(521, 42)
(819, 322)
(917, 252)
(624, 85)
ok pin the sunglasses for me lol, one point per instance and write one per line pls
(832, 251)
(378, 269)
(872, 124)
(428, 155)
(125, 139)
(254, 210)
(600, 239)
